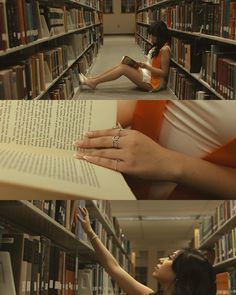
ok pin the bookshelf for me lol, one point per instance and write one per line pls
(26, 217)
(220, 228)
(209, 27)
(218, 233)
(54, 25)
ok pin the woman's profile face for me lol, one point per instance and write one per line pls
(163, 271)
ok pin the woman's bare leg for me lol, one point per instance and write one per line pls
(105, 73)
(132, 74)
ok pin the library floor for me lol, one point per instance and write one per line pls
(110, 55)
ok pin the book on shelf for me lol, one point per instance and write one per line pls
(206, 17)
(223, 213)
(7, 285)
(219, 71)
(43, 132)
(226, 282)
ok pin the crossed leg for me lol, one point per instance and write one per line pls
(115, 73)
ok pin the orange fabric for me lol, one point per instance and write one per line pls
(148, 118)
(156, 63)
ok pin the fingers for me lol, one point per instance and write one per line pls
(112, 164)
(108, 132)
(102, 153)
(98, 142)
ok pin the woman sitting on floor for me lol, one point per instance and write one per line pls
(150, 76)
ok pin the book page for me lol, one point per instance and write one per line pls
(37, 153)
(53, 124)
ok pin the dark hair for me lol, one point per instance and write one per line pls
(159, 29)
(194, 274)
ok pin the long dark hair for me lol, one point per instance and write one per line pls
(194, 274)
(159, 29)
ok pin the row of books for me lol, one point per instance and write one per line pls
(225, 211)
(219, 71)
(144, 45)
(216, 19)
(226, 283)
(186, 54)
(40, 267)
(96, 4)
(146, 3)
(185, 87)
(64, 212)
(29, 78)
(225, 247)
(23, 22)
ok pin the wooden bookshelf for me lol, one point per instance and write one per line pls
(23, 52)
(227, 264)
(161, 2)
(210, 240)
(194, 35)
(44, 40)
(70, 64)
(29, 218)
(95, 212)
(196, 76)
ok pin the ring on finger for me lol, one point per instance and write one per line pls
(115, 141)
(116, 164)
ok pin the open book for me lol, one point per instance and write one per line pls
(36, 151)
(126, 60)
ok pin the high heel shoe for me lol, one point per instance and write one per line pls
(81, 79)
(85, 81)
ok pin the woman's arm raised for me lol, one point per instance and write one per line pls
(126, 282)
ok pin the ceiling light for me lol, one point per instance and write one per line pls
(162, 218)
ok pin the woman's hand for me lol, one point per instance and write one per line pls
(129, 152)
(84, 219)
(143, 65)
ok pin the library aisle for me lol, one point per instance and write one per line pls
(44, 250)
(110, 54)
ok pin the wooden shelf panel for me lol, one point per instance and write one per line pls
(27, 216)
(196, 76)
(70, 64)
(198, 35)
(154, 5)
(227, 264)
(40, 41)
(209, 241)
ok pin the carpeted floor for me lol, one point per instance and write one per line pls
(114, 48)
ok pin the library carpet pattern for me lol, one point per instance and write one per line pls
(111, 53)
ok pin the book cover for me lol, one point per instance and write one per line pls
(126, 60)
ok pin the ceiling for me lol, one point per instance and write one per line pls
(167, 236)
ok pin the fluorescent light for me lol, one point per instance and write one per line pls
(162, 218)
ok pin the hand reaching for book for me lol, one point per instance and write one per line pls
(85, 220)
(129, 152)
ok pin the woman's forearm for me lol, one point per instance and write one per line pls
(204, 176)
(157, 72)
(106, 259)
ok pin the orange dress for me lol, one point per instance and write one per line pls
(148, 118)
(156, 81)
